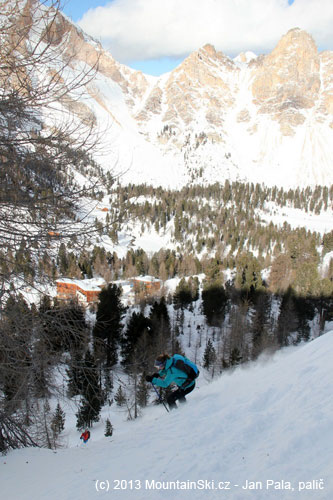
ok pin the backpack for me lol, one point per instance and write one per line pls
(186, 366)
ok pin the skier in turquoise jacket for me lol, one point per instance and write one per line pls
(171, 372)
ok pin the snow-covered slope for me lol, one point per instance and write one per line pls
(268, 423)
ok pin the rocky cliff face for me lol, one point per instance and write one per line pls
(266, 118)
(200, 85)
(283, 85)
(252, 103)
(287, 81)
(326, 96)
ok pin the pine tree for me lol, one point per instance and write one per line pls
(38, 191)
(287, 321)
(305, 310)
(327, 242)
(235, 357)
(92, 396)
(108, 385)
(214, 301)
(63, 325)
(42, 371)
(58, 420)
(75, 375)
(209, 357)
(137, 326)
(307, 279)
(260, 323)
(248, 276)
(108, 325)
(120, 397)
(160, 323)
(194, 286)
(63, 259)
(183, 295)
(108, 428)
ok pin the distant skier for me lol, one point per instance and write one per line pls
(85, 435)
(177, 370)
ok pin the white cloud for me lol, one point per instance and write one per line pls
(147, 29)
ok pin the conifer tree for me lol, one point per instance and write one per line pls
(194, 286)
(260, 323)
(108, 384)
(160, 321)
(75, 375)
(63, 259)
(248, 277)
(182, 296)
(235, 357)
(307, 279)
(287, 321)
(120, 396)
(214, 301)
(58, 420)
(40, 197)
(209, 357)
(107, 329)
(327, 242)
(41, 370)
(137, 326)
(305, 309)
(108, 428)
(92, 397)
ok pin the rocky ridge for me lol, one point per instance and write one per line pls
(267, 118)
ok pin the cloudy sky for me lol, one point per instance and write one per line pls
(155, 35)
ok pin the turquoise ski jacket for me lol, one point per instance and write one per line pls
(170, 375)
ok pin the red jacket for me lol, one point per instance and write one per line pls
(85, 435)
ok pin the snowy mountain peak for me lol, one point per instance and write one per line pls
(245, 57)
(261, 119)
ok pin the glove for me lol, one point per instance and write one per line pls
(149, 378)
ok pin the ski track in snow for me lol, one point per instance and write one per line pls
(270, 420)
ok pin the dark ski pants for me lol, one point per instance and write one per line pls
(179, 395)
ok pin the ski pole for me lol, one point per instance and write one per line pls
(159, 397)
